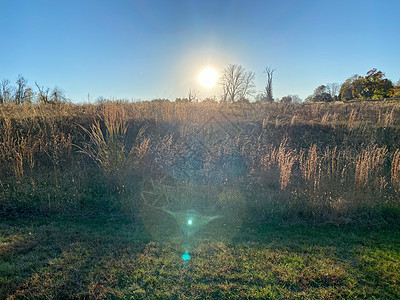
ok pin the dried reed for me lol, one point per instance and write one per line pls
(310, 167)
(286, 159)
(395, 170)
(369, 165)
(109, 150)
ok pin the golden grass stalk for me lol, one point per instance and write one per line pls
(335, 164)
(395, 170)
(310, 167)
(286, 159)
(325, 120)
(282, 157)
(369, 165)
(352, 119)
(17, 148)
(270, 158)
(389, 117)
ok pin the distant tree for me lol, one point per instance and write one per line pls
(333, 89)
(308, 99)
(286, 99)
(320, 90)
(396, 90)
(211, 100)
(357, 87)
(43, 94)
(236, 83)
(296, 99)
(320, 95)
(29, 96)
(182, 100)
(326, 97)
(291, 99)
(193, 95)
(372, 86)
(19, 96)
(261, 98)
(346, 90)
(100, 100)
(243, 100)
(57, 95)
(352, 88)
(268, 87)
(376, 85)
(383, 89)
(5, 91)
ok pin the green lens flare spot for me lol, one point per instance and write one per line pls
(190, 221)
(185, 256)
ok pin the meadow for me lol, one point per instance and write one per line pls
(307, 195)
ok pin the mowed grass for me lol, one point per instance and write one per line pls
(114, 258)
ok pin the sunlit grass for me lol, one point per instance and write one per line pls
(100, 258)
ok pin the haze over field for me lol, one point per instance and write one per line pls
(156, 49)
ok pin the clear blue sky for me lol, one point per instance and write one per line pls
(155, 49)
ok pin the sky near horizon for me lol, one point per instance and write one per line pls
(147, 49)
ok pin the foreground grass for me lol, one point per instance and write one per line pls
(108, 258)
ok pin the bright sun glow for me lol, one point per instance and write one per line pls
(208, 77)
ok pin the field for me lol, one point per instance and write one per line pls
(305, 196)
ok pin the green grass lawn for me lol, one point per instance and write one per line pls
(112, 258)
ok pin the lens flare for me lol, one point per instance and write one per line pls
(185, 256)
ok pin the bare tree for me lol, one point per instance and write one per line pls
(332, 89)
(29, 95)
(43, 95)
(261, 97)
(20, 90)
(193, 95)
(57, 95)
(296, 99)
(5, 91)
(268, 88)
(237, 83)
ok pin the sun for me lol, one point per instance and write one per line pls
(208, 77)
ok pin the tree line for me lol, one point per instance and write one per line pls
(373, 85)
(21, 93)
(237, 85)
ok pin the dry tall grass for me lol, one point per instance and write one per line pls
(109, 149)
(352, 119)
(310, 166)
(286, 159)
(17, 148)
(369, 164)
(389, 118)
(283, 158)
(316, 162)
(395, 170)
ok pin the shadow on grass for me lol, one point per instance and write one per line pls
(99, 258)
